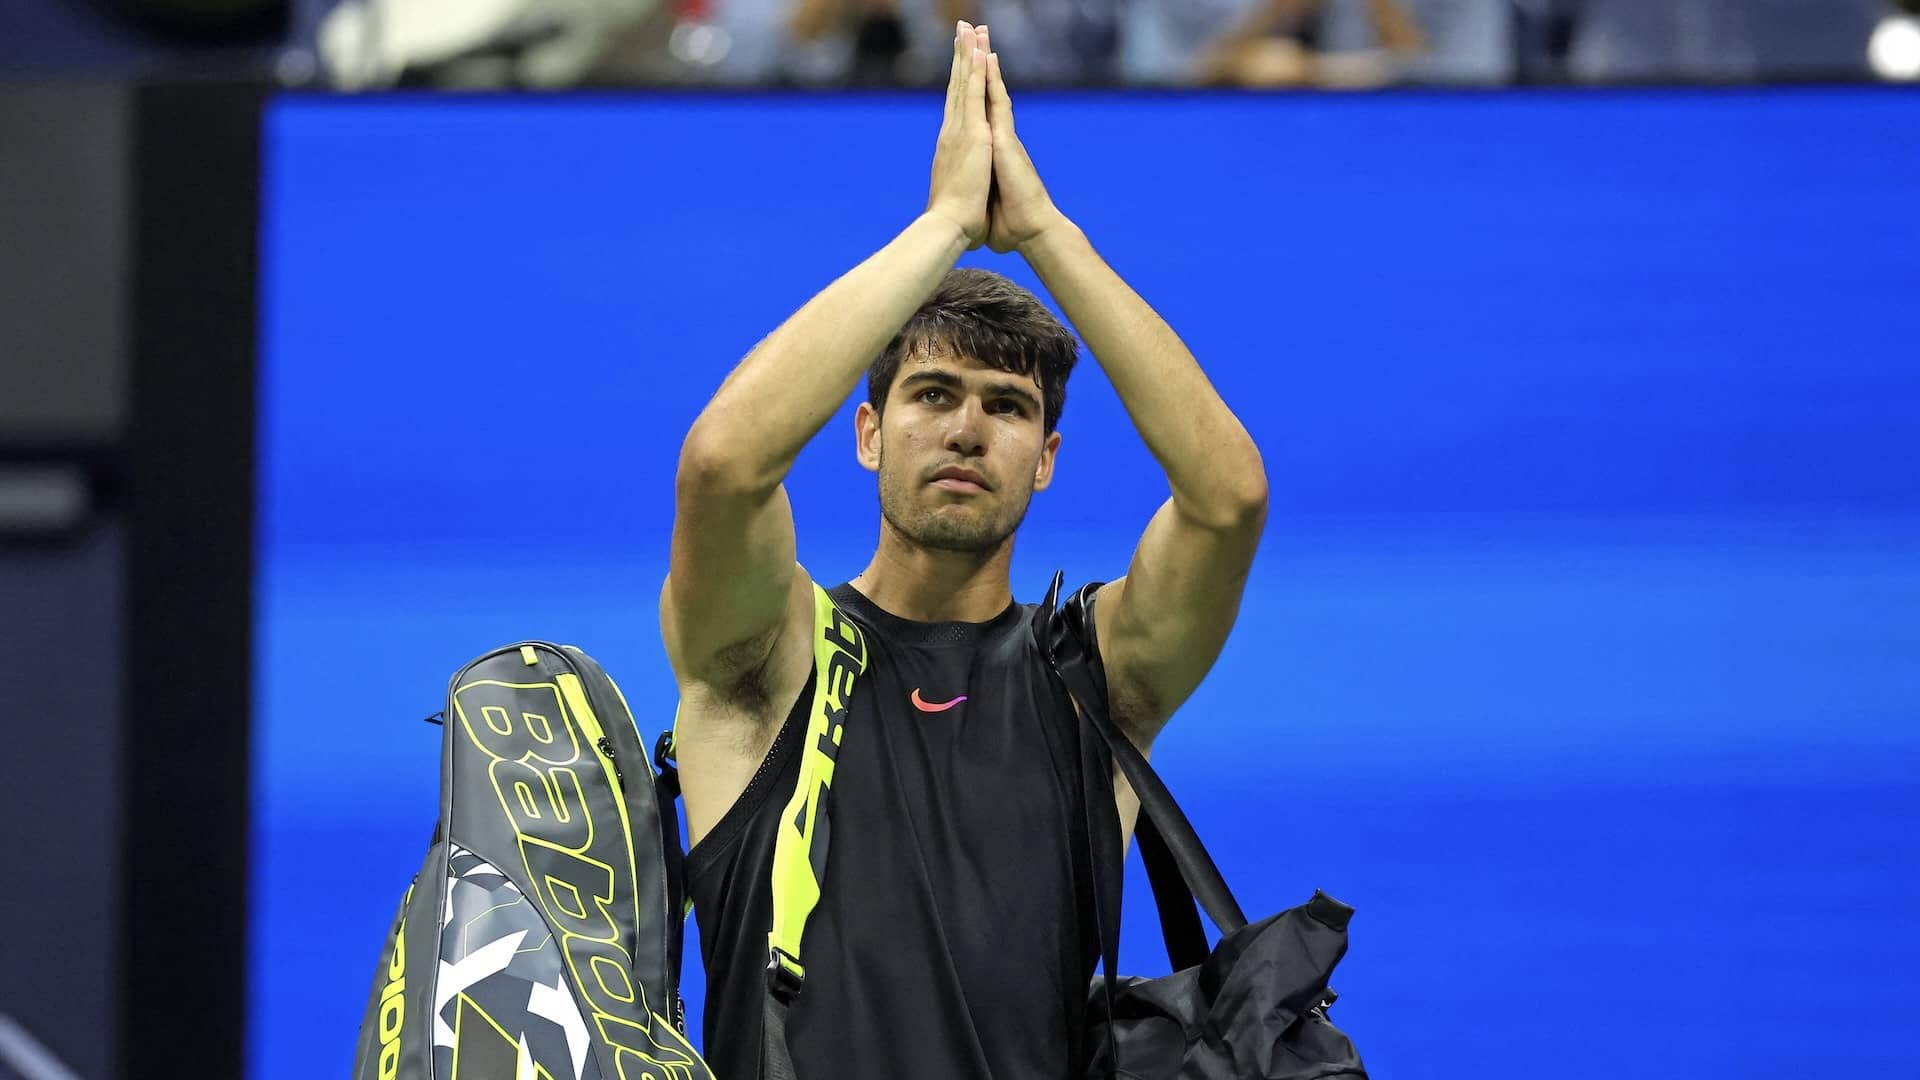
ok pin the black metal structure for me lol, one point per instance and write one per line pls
(189, 507)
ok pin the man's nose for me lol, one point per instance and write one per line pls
(966, 427)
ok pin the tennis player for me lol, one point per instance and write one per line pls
(953, 936)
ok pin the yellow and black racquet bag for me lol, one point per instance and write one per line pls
(541, 939)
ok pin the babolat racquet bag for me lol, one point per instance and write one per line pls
(541, 939)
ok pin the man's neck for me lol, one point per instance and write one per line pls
(926, 585)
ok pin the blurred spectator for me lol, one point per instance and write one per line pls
(1468, 42)
(1720, 40)
(1051, 41)
(910, 42)
(1638, 40)
(806, 42)
(1260, 43)
(750, 42)
(876, 36)
(482, 43)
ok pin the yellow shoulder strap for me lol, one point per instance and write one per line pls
(800, 850)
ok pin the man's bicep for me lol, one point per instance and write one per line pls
(1162, 626)
(730, 576)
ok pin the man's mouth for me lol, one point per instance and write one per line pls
(954, 478)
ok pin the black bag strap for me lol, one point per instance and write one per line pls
(1103, 835)
(1179, 916)
(1178, 866)
(1100, 831)
(666, 792)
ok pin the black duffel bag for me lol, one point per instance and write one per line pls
(1255, 1006)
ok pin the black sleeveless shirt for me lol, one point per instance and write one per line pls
(954, 936)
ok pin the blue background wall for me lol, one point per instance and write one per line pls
(1582, 654)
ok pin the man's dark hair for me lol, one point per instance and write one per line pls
(983, 316)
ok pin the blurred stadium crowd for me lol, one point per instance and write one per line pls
(371, 44)
(1151, 43)
(1244, 43)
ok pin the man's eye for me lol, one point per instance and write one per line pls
(933, 395)
(1009, 406)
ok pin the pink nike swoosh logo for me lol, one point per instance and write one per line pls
(926, 706)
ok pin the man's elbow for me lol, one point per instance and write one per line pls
(713, 463)
(1235, 501)
(1247, 501)
(1242, 496)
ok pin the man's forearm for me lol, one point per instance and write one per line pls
(1211, 462)
(789, 386)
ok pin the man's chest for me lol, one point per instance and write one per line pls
(957, 747)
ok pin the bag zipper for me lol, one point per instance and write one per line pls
(606, 747)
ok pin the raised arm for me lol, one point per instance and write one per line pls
(1163, 624)
(732, 577)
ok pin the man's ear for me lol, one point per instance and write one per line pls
(866, 433)
(1043, 475)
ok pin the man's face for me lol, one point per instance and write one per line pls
(960, 450)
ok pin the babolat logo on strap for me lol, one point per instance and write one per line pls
(800, 851)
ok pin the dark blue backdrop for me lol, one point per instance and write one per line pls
(1583, 651)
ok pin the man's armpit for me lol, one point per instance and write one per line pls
(1137, 710)
(739, 675)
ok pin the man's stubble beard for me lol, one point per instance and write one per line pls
(927, 527)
